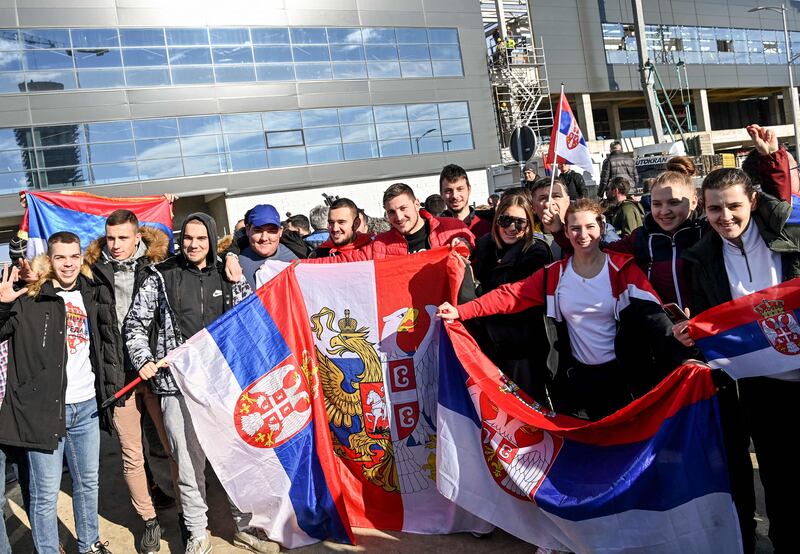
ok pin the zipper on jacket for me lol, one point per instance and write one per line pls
(62, 409)
(675, 273)
(202, 304)
(747, 263)
(44, 335)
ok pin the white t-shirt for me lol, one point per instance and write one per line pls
(587, 306)
(80, 377)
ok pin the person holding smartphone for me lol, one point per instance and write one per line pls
(672, 226)
(604, 321)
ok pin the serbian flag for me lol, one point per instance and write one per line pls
(651, 477)
(377, 341)
(85, 215)
(251, 383)
(567, 144)
(754, 335)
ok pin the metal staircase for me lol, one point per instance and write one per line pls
(518, 74)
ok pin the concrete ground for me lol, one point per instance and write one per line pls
(121, 527)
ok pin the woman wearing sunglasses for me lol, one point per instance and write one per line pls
(604, 321)
(509, 253)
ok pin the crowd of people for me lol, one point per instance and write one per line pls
(564, 296)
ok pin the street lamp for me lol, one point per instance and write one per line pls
(423, 134)
(789, 59)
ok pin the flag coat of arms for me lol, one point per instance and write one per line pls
(251, 383)
(377, 341)
(85, 215)
(567, 144)
(754, 335)
(651, 477)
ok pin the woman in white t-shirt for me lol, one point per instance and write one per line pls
(606, 328)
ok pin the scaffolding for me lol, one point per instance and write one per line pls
(517, 71)
(676, 122)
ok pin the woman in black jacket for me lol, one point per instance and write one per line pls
(755, 244)
(508, 254)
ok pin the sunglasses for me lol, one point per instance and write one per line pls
(507, 221)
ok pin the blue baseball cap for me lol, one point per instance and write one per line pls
(263, 214)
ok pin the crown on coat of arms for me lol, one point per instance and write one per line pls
(347, 324)
(769, 308)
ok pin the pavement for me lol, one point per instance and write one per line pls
(121, 527)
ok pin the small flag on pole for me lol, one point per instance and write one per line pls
(567, 144)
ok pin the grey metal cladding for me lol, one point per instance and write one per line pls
(573, 41)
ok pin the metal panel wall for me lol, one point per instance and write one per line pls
(84, 106)
(572, 35)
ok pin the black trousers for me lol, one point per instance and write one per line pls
(770, 409)
(736, 440)
(591, 391)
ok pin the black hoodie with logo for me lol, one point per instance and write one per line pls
(174, 302)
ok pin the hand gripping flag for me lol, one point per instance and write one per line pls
(251, 383)
(377, 339)
(757, 334)
(567, 144)
(649, 478)
(85, 215)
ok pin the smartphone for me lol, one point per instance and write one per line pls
(675, 313)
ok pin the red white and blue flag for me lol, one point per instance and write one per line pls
(251, 383)
(377, 340)
(757, 334)
(567, 144)
(85, 215)
(651, 477)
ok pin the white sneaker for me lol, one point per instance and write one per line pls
(199, 545)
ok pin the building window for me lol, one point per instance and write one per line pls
(725, 46)
(35, 60)
(58, 156)
(669, 44)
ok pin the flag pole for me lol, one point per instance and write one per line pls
(555, 148)
(111, 400)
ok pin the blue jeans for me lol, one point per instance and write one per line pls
(5, 547)
(82, 449)
(16, 457)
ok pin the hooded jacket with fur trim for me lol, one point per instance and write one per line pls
(33, 411)
(156, 249)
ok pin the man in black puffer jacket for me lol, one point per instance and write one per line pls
(56, 381)
(118, 260)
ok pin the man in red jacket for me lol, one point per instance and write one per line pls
(344, 219)
(455, 189)
(413, 230)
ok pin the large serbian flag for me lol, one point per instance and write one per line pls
(651, 477)
(85, 215)
(567, 144)
(757, 334)
(377, 342)
(251, 383)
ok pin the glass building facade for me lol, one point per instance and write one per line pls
(669, 44)
(106, 152)
(36, 60)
